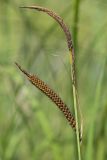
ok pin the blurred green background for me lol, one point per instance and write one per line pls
(31, 126)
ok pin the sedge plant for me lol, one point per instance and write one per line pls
(73, 121)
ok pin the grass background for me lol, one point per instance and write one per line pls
(31, 126)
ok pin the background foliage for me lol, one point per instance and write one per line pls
(31, 126)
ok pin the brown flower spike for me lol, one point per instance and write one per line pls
(58, 19)
(51, 94)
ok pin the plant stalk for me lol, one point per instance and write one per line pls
(75, 98)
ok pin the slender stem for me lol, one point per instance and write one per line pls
(75, 98)
(77, 125)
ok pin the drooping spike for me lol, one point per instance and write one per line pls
(61, 23)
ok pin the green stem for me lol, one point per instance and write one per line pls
(77, 125)
(75, 97)
(76, 104)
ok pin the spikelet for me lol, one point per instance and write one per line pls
(52, 95)
(58, 19)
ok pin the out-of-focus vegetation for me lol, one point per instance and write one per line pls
(31, 126)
